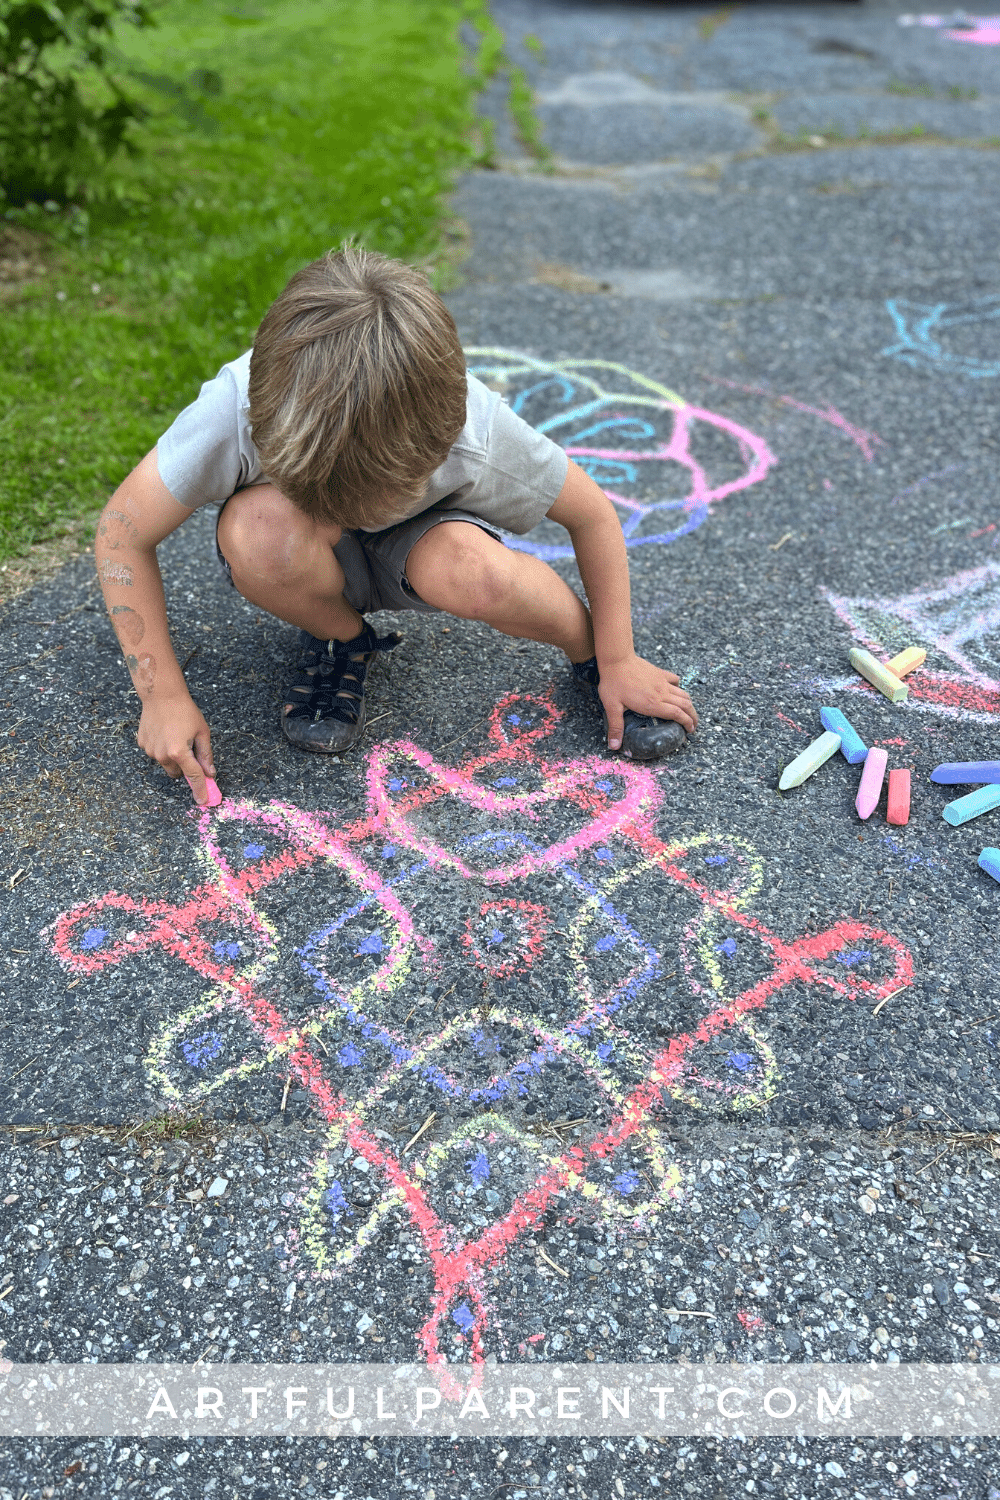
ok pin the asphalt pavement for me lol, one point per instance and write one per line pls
(479, 1042)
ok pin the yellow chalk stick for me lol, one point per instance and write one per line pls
(907, 661)
(879, 676)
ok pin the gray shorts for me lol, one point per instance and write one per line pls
(374, 562)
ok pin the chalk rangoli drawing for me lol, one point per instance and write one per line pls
(515, 889)
(981, 31)
(926, 339)
(639, 440)
(958, 621)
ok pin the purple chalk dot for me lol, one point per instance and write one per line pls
(741, 1061)
(254, 851)
(396, 784)
(496, 936)
(388, 851)
(226, 950)
(728, 948)
(336, 1202)
(351, 1056)
(506, 781)
(625, 1182)
(463, 1317)
(603, 854)
(513, 718)
(201, 1050)
(605, 1050)
(479, 1168)
(859, 956)
(716, 859)
(605, 786)
(93, 938)
(371, 944)
(603, 944)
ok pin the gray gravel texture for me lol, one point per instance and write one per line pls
(835, 1168)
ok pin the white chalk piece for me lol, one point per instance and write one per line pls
(852, 746)
(812, 757)
(870, 789)
(972, 806)
(989, 861)
(878, 675)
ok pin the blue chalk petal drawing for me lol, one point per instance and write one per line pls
(924, 340)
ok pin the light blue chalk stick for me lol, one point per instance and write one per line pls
(989, 861)
(809, 760)
(852, 746)
(972, 806)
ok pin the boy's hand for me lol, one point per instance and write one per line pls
(637, 684)
(173, 732)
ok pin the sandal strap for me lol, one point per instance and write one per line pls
(330, 679)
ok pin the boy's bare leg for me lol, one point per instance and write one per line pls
(284, 562)
(460, 568)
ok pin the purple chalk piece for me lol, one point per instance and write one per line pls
(388, 851)
(741, 1061)
(605, 786)
(728, 948)
(396, 784)
(226, 950)
(350, 1056)
(253, 851)
(967, 773)
(93, 938)
(463, 1317)
(371, 944)
(514, 719)
(859, 956)
(716, 859)
(479, 1168)
(625, 1183)
(603, 944)
(496, 936)
(605, 1050)
(603, 854)
(506, 781)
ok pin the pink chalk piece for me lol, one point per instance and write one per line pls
(899, 798)
(214, 795)
(872, 777)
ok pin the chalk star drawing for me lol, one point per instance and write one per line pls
(923, 333)
(958, 621)
(516, 888)
(633, 436)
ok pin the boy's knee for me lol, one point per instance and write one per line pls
(263, 537)
(462, 569)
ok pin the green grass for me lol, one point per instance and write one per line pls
(333, 118)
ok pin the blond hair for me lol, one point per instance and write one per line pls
(357, 389)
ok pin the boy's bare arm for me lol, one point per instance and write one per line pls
(172, 730)
(627, 681)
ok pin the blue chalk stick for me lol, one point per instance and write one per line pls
(852, 746)
(967, 772)
(973, 805)
(989, 861)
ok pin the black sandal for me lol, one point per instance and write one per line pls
(324, 703)
(644, 737)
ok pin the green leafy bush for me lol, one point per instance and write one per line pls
(63, 115)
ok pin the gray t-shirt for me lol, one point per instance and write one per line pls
(500, 469)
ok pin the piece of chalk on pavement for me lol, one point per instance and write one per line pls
(872, 777)
(972, 806)
(878, 675)
(852, 746)
(899, 798)
(989, 861)
(810, 760)
(907, 661)
(967, 772)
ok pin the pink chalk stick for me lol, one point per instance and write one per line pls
(872, 777)
(899, 798)
(214, 795)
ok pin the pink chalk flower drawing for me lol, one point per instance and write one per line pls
(649, 449)
(471, 947)
(957, 620)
